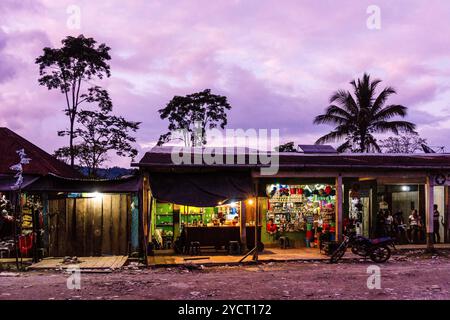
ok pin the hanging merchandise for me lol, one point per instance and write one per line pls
(303, 208)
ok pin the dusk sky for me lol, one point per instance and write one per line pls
(278, 62)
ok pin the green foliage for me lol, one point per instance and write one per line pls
(359, 116)
(204, 108)
(71, 69)
(101, 132)
(287, 147)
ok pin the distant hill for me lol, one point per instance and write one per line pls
(110, 173)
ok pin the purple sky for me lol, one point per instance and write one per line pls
(276, 61)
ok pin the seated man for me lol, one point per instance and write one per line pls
(272, 228)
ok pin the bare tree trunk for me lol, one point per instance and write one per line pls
(72, 152)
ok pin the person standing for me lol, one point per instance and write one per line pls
(414, 226)
(381, 224)
(436, 215)
(389, 221)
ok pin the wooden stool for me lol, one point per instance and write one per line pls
(234, 247)
(194, 248)
(284, 242)
(3, 251)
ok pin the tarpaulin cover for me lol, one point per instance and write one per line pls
(200, 189)
(52, 183)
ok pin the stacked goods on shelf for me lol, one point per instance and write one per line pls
(164, 219)
(308, 208)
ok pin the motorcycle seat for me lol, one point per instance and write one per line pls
(380, 240)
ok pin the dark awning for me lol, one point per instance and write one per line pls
(53, 183)
(204, 189)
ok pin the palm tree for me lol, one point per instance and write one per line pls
(357, 117)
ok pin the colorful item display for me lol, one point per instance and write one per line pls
(302, 208)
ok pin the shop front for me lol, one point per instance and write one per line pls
(299, 214)
(189, 228)
(191, 212)
(398, 203)
(312, 200)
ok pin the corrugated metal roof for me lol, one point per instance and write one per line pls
(299, 160)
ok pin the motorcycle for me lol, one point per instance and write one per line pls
(376, 249)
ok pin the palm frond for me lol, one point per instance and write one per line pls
(361, 113)
(339, 96)
(389, 112)
(381, 99)
(373, 85)
(393, 126)
(330, 119)
(337, 134)
(344, 147)
(338, 111)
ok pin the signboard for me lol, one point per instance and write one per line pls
(442, 179)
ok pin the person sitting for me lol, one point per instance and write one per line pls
(272, 228)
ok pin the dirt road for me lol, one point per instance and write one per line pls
(403, 277)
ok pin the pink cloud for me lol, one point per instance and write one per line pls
(278, 64)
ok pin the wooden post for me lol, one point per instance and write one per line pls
(242, 225)
(429, 203)
(446, 213)
(255, 256)
(339, 197)
(16, 234)
(135, 225)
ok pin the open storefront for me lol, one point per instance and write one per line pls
(300, 214)
(312, 199)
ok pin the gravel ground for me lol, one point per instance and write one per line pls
(412, 275)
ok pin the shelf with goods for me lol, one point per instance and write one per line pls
(306, 209)
(190, 214)
(164, 218)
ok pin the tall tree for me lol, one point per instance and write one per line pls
(184, 113)
(405, 142)
(359, 116)
(101, 132)
(71, 69)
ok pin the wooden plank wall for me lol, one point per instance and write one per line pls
(90, 226)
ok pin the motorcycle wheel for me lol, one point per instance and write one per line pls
(338, 253)
(380, 254)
